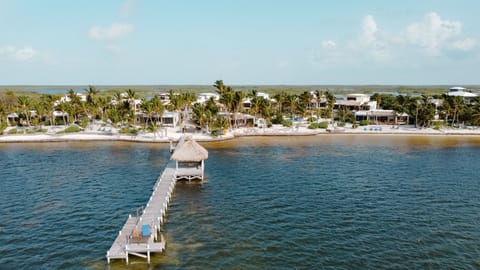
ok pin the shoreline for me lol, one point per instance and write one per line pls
(277, 131)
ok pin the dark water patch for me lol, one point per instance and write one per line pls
(311, 203)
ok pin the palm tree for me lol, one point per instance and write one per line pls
(281, 99)
(290, 102)
(91, 94)
(446, 108)
(157, 108)
(148, 109)
(74, 108)
(238, 100)
(48, 102)
(458, 108)
(199, 113)
(330, 103)
(24, 103)
(476, 114)
(425, 111)
(220, 86)
(118, 97)
(9, 101)
(102, 103)
(3, 114)
(305, 99)
(378, 98)
(227, 98)
(64, 107)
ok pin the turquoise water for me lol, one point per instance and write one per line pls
(322, 202)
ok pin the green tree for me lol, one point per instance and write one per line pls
(219, 86)
(24, 103)
(132, 96)
(148, 109)
(91, 94)
(330, 99)
(64, 107)
(425, 112)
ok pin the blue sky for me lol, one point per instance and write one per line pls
(57, 42)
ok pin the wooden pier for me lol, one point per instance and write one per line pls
(141, 236)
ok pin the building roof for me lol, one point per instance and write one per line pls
(461, 94)
(189, 151)
(457, 88)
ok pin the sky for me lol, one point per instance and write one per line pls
(243, 42)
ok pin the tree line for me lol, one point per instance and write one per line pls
(123, 110)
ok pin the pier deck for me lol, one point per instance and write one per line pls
(141, 234)
(131, 240)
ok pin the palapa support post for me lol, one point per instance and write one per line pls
(148, 253)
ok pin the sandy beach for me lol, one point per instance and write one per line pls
(174, 133)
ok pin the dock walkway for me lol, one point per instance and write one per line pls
(141, 235)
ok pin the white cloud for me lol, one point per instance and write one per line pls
(432, 36)
(369, 30)
(19, 54)
(128, 8)
(435, 34)
(465, 44)
(112, 32)
(329, 44)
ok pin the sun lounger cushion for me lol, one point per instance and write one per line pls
(145, 230)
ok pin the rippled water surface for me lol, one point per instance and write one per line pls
(322, 202)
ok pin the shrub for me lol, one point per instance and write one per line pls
(3, 126)
(364, 123)
(313, 126)
(59, 122)
(71, 129)
(438, 125)
(287, 123)
(84, 122)
(323, 125)
(278, 119)
(12, 131)
(312, 119)
(341, 124)
(36, 130)
(128, 130)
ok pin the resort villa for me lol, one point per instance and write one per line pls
(203, 97)
(356, 102)
(462, 92)
(247, 102)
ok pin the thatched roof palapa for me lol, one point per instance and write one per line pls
(189, 151)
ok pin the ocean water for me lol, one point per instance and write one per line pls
(320, 202)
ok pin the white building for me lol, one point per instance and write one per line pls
(170, 118)
(247, 102)
(203, 97)
(66, 98)
(461, 91)
(382, 117)
(356, 102)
